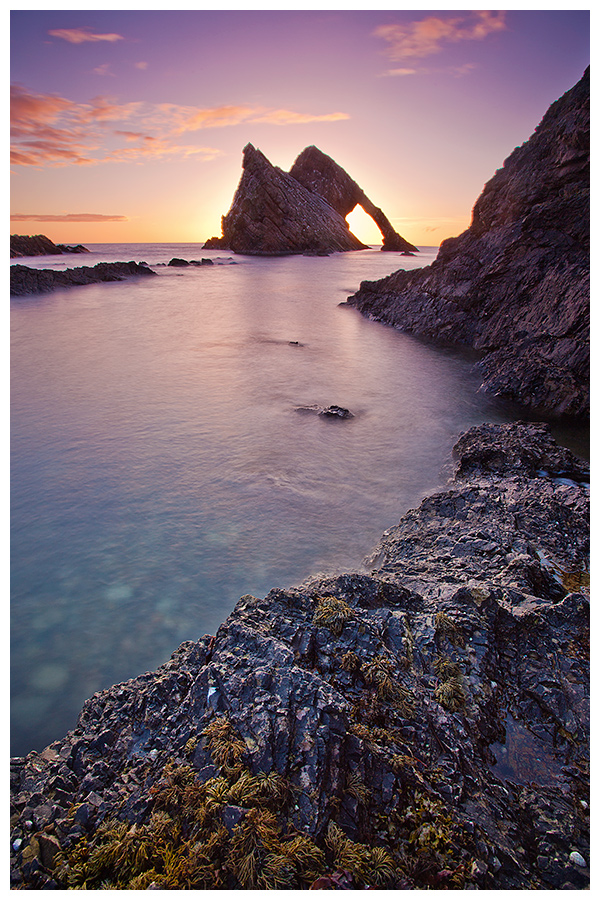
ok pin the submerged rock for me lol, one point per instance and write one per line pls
(515, 285)
(301, 211)
(326, 412)
(25, 280)
(348, 732)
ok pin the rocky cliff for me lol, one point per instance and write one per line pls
(515, 285)
(40, 245)
(301, 211)
(422, 726)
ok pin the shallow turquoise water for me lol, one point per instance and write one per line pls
(160, 468)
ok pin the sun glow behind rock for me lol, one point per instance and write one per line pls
(363, 227)
(121, 107)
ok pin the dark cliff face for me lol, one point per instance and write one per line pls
(299, 211)
(515, 285)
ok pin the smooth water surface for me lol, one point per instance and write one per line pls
(160, 468)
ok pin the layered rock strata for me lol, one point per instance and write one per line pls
(40, 245)
(25, 280)
(301, 211)
(424, 725)
(515, 285)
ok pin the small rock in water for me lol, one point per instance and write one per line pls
(577, 859)
(338, 412)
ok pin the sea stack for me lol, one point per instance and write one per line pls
(301, 211)
(515, 285)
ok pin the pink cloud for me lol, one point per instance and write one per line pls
(104, 69)
(428, 36)
(51, 130)
(81, 35)
(67, 217)
(190, 119)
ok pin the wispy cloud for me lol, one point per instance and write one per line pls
(455, 71)
(187, 118)
(104, 69)
(66, 217)
(428, 36)
(81, 35)
(49, 130)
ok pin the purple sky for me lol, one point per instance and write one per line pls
(129, 125)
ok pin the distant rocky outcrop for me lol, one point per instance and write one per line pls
(182, 263)
(25, 280)
(40, 245)
(515, 285)
(301, 211)
(423, 726)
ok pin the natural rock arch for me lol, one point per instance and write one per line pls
(322, 175)
(301, 211)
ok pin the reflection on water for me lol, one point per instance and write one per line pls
(160, 470)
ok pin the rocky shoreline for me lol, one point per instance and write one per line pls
(421, 724)
(25, 280)
(40, 245)
(515, 286)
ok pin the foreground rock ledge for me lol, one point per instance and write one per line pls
(425, 725)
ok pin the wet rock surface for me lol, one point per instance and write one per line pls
(326, 412)
(515, 285)
(421, 725)
(25, 280)
(302, 211)
(40, 245)
(176, 261)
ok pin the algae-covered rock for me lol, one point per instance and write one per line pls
(422, 726)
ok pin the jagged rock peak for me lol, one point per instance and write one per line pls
(302, 211)
(251, 156)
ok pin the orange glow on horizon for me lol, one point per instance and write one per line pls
(122, 133)
(158, 231)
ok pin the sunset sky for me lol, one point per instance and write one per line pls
(129, 125)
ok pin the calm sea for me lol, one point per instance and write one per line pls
(161, 468)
